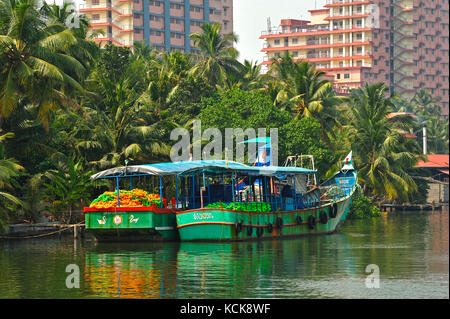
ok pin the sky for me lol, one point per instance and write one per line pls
(250, 19)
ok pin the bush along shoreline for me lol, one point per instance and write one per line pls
(362, 208)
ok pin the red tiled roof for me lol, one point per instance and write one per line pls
(435, 161)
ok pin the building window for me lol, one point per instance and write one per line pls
(277, 42)
(346, 76)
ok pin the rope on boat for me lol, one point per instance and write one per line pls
(42, 235)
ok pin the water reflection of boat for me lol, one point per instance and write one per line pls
(262, 269)
(130, 271)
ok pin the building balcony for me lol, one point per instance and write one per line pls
(106, 22)
(317, 42)
(103, 6)
(331, 3)
(317, 55)
(296, 30)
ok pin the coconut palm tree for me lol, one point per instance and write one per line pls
(9, 169)
(34, 59)
(306, 93)
(129, 130)
(424, 104)
(382, 154)
(217, 58)
(85, 51)
(66, 186)
(251, 77)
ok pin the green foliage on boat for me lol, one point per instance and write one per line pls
(242, 207)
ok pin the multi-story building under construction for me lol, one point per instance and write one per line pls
(165, 24)
(403, 43)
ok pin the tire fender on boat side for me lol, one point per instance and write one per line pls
(259, 231)
(279, 222)
(249, 230)
(311, 222)
(299, 220)
(333, 210)
(323, 217)
(238, 227)
(269, 228)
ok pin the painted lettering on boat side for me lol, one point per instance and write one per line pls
(203, 216)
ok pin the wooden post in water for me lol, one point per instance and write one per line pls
(75, 232)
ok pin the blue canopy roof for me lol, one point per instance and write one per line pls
(160, 169)
(260, 140)
(276, 171)
(190, 168)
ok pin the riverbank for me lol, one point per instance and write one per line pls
(414, 207)
(43, 230)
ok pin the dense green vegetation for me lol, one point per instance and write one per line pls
(69, 108)
(362, 207)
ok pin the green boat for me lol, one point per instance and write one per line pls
(253, 203)
(220, 201)
(150, 222)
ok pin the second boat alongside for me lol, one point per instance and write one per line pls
(265, 202)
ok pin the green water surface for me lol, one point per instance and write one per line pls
(410, 249)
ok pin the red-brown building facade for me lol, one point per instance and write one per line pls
(403, 43)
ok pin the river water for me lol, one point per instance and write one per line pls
(410, 250)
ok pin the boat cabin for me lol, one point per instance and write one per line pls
(198, 184)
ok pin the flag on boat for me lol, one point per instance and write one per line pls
(348, 162)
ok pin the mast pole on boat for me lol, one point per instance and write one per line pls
(209, 191)
(281, 195)
(176, 205)
(295, 192)
(160, 192)
(232, 186)
(193, 192)
(202, 190)
(118, 193)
